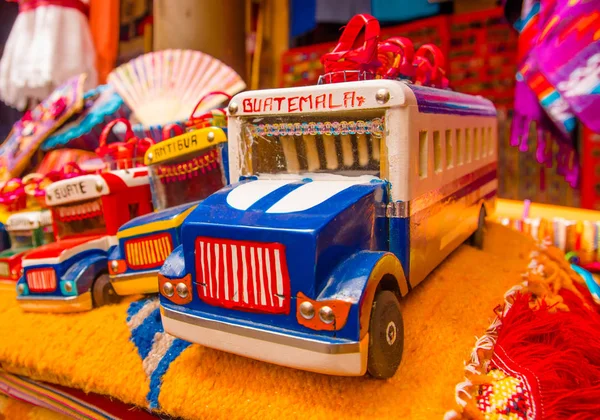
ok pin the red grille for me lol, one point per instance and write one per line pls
(149, 251)
(245, 275)
(41, 280)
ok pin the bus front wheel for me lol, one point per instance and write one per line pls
(476, 240)
(102, 291)
(386, 336)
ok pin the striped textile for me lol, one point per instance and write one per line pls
(67, 401)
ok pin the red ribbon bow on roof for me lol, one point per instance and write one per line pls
(124, 154)
(360, 55)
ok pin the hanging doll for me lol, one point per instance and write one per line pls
(558, 78)
(50, 42)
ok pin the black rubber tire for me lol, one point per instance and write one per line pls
(386, 336)
(103, 292)
(476, 240)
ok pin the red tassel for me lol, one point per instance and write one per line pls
(556, 353)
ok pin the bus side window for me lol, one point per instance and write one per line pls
(459, 148)
(484, 149)
(490, 141)
(423, 154)
(449, 149)
(476, 151)
(468, 148)
(133, 210)
(437, 152)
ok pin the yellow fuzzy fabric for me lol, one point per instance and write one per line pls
(93, 351)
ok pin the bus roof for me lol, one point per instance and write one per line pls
(346, 96)
(86, 187)
(28, 220)
(439, 101)
(183, 144)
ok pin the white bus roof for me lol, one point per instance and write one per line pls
(360, 95)
(28, 220)
(86, 187)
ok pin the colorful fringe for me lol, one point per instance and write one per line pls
(558, 78)
(540, 357)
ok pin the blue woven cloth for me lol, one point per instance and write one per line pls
(84, 132)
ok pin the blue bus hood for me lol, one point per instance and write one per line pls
(158, 216)
(292, 204)
(318, 223)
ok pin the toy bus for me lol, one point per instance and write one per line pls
(349, 195)
(183, 170)
(27, 230)
(71, 274)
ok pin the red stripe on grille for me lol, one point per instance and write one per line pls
(240, 273)
(244, 275)
(231, 295)
(41, 280)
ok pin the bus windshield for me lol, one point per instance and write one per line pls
(85, 217)
(21, 239)
(313, 143)
(187, 179)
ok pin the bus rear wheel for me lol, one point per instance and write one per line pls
(476, 240)
(386, 336)
(102, 291)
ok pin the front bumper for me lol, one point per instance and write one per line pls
(343, 359)
(135, 283)
(57, 304)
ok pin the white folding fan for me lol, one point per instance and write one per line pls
(164, 86)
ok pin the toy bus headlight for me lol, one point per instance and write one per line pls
(68, 288)
(307, 310)
(182, 290)
(21, 288)
(326, 314)
(333, 314)
(117, 266)
(178, 291)
(168, 289)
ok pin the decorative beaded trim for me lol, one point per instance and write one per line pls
(374, 127)
(181, 171)
(79, 211)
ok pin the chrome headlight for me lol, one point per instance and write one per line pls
(168, 289)
(307, 310)
(182, 290)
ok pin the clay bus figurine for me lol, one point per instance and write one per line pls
(349, 195)
(183, 170)
(71, 274)
(27, 230)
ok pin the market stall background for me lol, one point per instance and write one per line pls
(481, 48)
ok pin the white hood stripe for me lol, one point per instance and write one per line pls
(310, 195)
(103, 244)
(246, 195)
